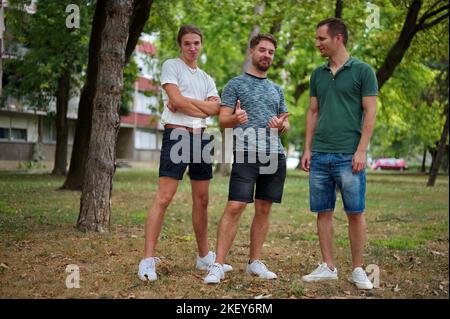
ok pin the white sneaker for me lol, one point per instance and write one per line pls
(359, 277)
(147, 269)
(204, 263)
(323, 272)
(257, 268)
(215, 274)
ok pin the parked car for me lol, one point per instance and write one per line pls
(390, 163)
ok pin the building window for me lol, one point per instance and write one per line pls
(146, 104)
(49, 131)
(18, 134)
(4, 133)
(145, 140)
(13, 134)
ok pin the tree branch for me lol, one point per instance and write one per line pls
(430, 13)
(299, 89)
(432, 23)
(276, 27)
(338, 10)
(282, 59)
(141, 12)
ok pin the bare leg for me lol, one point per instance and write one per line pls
(227, 228)
(164, 195)
(357, 235)
(200, 214)
(325, 231)
(260, 226)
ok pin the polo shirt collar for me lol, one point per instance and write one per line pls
(347, 64)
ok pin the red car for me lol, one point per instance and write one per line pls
(390, 163)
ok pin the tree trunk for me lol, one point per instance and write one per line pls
(433, 152)
(62, 129)
(74, 178)
(299, 90)
(423, 168)
(95, 204)
(141, 12)
(338, 10)
(440, 153)
(1, 45)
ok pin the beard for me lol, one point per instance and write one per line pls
(260, 66)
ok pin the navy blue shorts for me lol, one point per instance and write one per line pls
(181, 150)
(245, 176)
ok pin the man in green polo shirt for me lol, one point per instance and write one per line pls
(339, 125)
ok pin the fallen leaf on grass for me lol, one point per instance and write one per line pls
(3, 265)
(437, 253)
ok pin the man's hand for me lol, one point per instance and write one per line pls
(171, 107)
(359, 161)
(241, 115)
(278, 122)
(306, 160)
(213, 99)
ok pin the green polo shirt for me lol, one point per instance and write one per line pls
(340, 96)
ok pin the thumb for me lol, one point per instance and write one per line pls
(284, 116)
(238, 105)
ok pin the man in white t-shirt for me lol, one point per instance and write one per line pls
(190, 96)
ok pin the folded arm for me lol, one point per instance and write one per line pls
(189, 106)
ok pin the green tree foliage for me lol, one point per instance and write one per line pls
(51, 49)
(406, 119)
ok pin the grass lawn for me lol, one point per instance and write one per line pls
(407, 239)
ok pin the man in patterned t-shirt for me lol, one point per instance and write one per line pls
(255, 108)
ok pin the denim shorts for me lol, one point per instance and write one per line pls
(199, 167)
(245, 176)
(332, 171)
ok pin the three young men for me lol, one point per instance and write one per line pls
(339, 126)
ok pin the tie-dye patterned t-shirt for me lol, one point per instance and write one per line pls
(261, 99)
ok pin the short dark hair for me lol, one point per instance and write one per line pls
(335, 26)
(262, 36)
(188, 28)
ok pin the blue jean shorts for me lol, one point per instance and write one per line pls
(332, 171)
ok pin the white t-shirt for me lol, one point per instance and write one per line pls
(192, 83)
